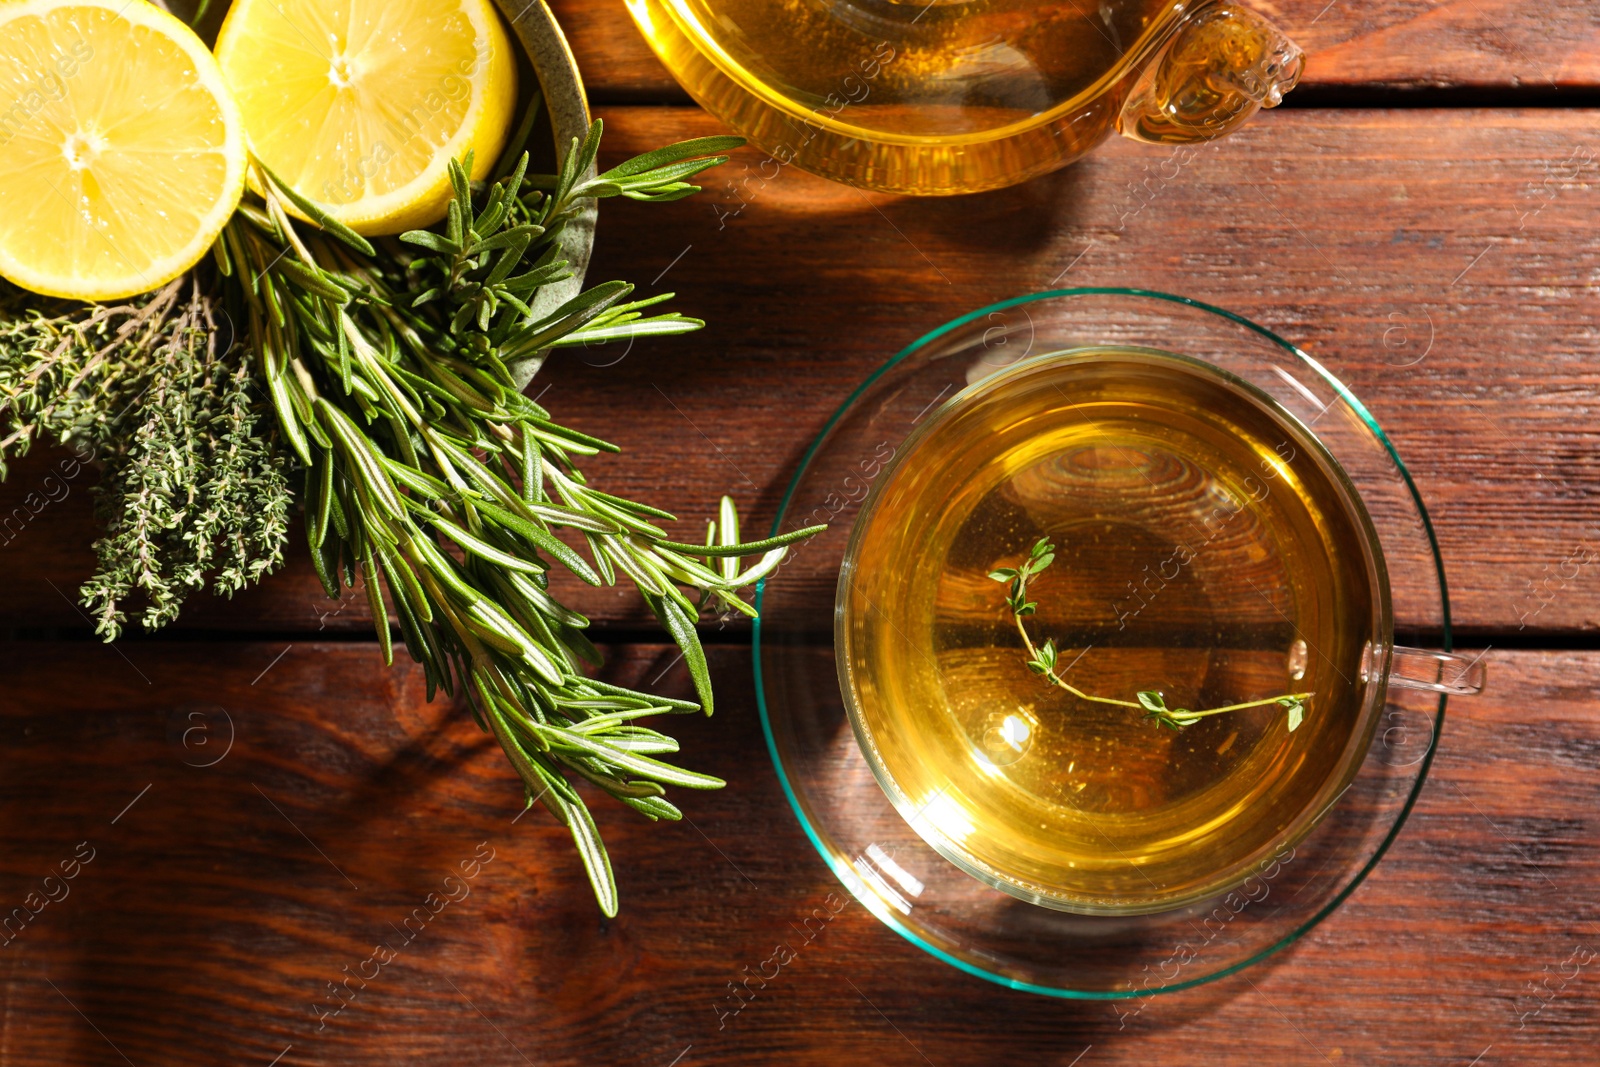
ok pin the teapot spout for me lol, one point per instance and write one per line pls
(1222, 64)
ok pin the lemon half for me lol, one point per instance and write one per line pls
(122, 155)
(359, 105)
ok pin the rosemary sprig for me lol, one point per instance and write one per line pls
(1042, 659)
(436, 483)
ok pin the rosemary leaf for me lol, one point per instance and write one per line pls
(389, 370)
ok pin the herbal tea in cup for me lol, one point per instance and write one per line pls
(1113, 629)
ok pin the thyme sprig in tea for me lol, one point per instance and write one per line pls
(1043, 659)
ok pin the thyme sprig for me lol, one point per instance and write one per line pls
(1043, 659)
(193, 487)
(434, 482)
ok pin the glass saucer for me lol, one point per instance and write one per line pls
(884, 862)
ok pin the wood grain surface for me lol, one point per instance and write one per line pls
(1407, 45)
(249, 805)
(1441, 262)
(221, 900)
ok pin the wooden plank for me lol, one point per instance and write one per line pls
(1429, 44)
(1410, 44)
(616, 63)
(221, 900)
(1438, 261)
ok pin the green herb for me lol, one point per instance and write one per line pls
(429, 479)
(193, 485)
(1042, 659)
(434, 482)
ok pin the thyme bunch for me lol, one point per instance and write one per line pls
(434, 483)
(1043, 659)
(193, 487)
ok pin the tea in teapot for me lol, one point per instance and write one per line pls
(950, 96)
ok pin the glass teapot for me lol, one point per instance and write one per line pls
(936, 97)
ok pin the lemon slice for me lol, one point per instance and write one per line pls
(122, 155)
(359, 105)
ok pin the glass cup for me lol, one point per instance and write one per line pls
(1160, 828)
(886, 862)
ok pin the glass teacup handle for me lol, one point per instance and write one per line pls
(1436, 672)
(1222, 64)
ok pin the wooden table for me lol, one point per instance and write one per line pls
(1421, 217)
